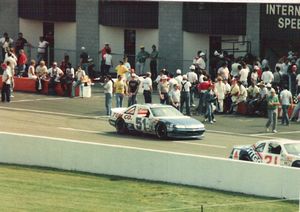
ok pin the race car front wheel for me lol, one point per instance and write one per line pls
(121, 126)
(161, 131)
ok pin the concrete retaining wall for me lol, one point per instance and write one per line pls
(223, 174)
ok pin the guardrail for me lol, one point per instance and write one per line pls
(187, 169)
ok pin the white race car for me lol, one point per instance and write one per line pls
(277, 152)
(162, 120)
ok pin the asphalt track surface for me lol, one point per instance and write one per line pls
(83, 119)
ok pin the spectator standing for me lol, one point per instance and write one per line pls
(254, 75)
(12, 59)
(178, 77)
(153, 62)
(234, 93)
(296, 110)
(141, 60)
(5, 43)
(22, 60)
(133, 88)
(108, 91)
(193, 79)
(108, 63)
(223, 71)
(20, 43)
(175, 96)
(103, 52)
(31, 70)
(84, 60)
(244, 72)
(267, 76)
(147, 86)
(122, 70)
(220, 91)
(286, 100)
(209, 99)
(79, 77)
(6, 82)
(163, 90)
(42, 48)
(298, 83)
(202, 88)
(185, 95)
(272, 105)
(119, 90)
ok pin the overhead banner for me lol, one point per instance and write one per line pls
(280, 20)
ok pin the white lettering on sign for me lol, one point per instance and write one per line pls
(289, 15)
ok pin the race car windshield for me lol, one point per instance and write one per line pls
(165, 111)
(293, 149)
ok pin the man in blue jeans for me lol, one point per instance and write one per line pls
(286, 100)
(272, 105)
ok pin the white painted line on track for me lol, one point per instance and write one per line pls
(207, 145)
(40, 99)
(79, 130)
(282, 133)
(262, 135)
(52, 113)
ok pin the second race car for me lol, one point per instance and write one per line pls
(277, 152)
(162, 120)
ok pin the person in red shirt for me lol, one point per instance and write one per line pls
(202, 88)
(22, 60)
(103, 51)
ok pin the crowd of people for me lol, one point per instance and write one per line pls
(220, 87)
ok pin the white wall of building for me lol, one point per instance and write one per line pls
(65, 41)
(115, 36)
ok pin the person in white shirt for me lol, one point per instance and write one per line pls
(108, 91)
(55, 74)
(6, 82)
(185, 95)
(172, 82)
(267, 76)
(79, 77)
(175, 96)
(193, 79)
(244, 72)
(12, 59)
(286, 100)
(147, 86)
(41, 51)
(178, 78)
(5, 43)
(108, 62)
(220, 90)
(223, 71)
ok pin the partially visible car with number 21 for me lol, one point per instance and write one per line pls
(164, 121)
(277, 151)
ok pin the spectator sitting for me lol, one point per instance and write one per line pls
(31, 70)
(55, 74)
(42, 75)
(79, 79)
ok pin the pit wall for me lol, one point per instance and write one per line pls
(216, 173)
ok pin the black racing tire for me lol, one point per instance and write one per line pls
(121, 126)
(161, 131)
(296, 164)
(245, 158)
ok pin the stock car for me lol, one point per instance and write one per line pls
(278, 152)
(164, 121)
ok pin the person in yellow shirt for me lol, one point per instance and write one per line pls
(121, 69)
(119, 90)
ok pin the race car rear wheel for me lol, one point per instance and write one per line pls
(296, 164)
(245, 158)
(161, 131)
(121, 126)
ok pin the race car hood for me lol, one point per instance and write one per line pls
(118, 109)
(242, 146)
(183, 121)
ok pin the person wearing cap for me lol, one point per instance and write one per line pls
(78, 81)
(175, 96)
(185, 95)
(178, 77)
(103, 53)
(234, 93)
(141, 60)
(153, 62)
(192, 77)
(55, 74)
(286, 100)
(133, 88)
(147, 88)
(163, 88)
(272, 106)
(199, 61)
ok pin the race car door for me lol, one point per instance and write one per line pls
(272, 153)
(128, 116)
(142, 119)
